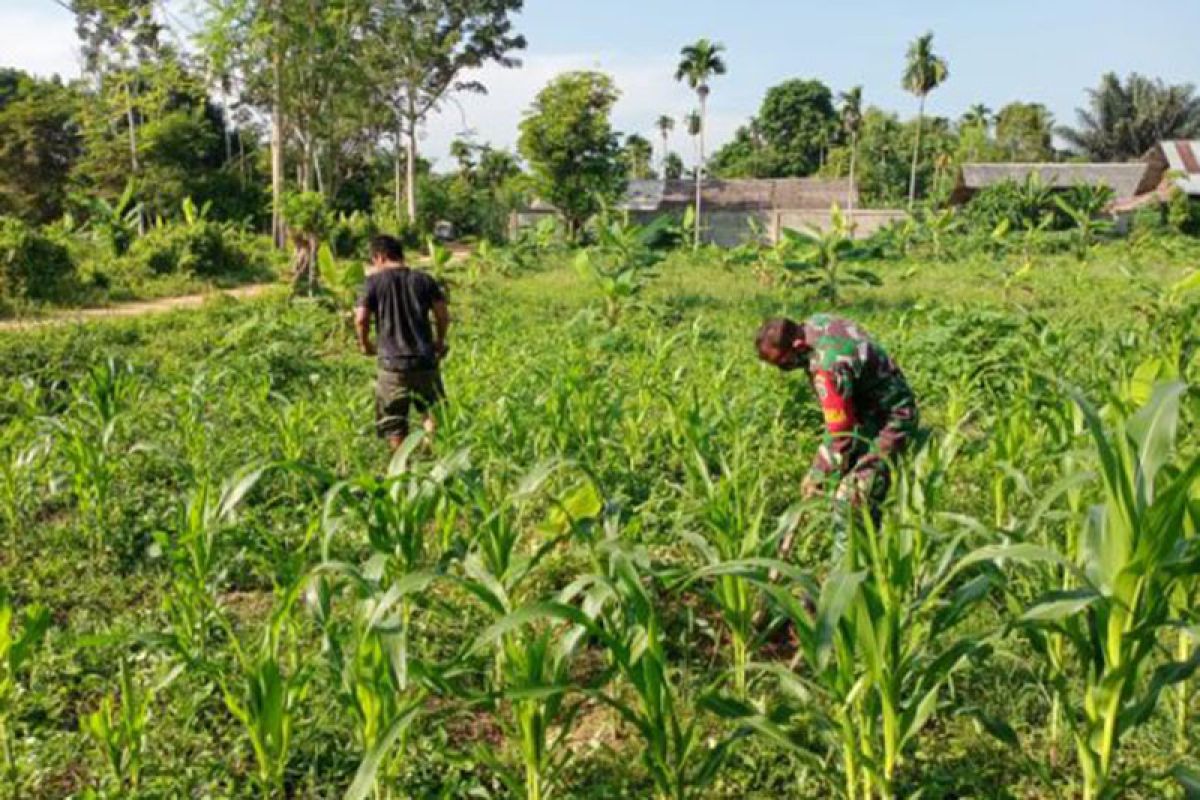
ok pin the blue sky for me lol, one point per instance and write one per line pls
(1043, 50)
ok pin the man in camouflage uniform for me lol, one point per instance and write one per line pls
(870, 412)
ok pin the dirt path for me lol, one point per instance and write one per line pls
(136, 309)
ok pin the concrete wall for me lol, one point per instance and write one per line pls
(732, 228)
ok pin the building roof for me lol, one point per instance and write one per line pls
(1183, 158)
(1125, 179)
(741, 194)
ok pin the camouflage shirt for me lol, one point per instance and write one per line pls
(868, 406)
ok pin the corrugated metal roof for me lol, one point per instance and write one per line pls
(1183, 156)
(1125, 179)
(741, 194)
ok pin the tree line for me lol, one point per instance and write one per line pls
(268, 97)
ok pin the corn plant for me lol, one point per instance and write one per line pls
(1127, 565)
(119, 731)
(535, 681)
(23, 454)
(193, 553)
(369, 660)
(733, 518)
(88, 439)
(16, 649)
(621, 615)
(879, 639)
(264, 693)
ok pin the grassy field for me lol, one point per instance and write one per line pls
(242, 601)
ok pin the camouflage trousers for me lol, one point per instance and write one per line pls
(865, 485)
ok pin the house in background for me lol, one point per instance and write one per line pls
(1127, 179)
(1174, 166)
(734, 210)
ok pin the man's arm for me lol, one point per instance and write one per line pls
(362, 326)
(441, 319)
(833, 456)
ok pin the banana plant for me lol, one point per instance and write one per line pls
(622, 260)
(1128, 563)
(17, 647)
(1083, 204)
(820, 256)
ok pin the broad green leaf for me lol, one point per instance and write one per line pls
(1057, 605)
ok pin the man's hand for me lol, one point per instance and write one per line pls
(366, 348)
(441, 349)
(811, 488)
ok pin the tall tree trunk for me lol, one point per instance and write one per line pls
(410, 165)
(666, 146)
(278, 233)
(853, 164)
(399, 173)
(700, 171)
(912, 177)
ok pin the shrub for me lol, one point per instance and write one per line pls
(204, 248)
(351, 233)
(33, 265)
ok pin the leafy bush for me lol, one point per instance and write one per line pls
(32, 265)
(306, 212)
(1020, 204)
(351, 233)
(204, 248)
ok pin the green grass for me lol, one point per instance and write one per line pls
(535, 377)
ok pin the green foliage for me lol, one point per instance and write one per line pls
(1124, 119)
(787, 138)
(306, 213)
(202, 248)
(33, 266)
(570, 145)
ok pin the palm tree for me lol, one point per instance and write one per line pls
(978, 115)
(923, 72)
(1124, 119)
(691, 123)
(698, 63)
(852, 119)
(665, 125)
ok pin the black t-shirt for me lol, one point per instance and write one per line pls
(400, 299)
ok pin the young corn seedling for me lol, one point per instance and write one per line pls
(621, 615)
(16, 648)
(1130, 560)
(535, 682)
(88, 440)
(119, 730)
(879, 641)
(264, 695)
(733, 519)
(370, 663)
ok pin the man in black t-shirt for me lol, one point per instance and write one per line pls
(400, 301)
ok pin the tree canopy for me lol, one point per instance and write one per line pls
(568, 140)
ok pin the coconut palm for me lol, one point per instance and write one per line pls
(852, 119)
(1126, 118)
(924, 71)
(665, 125)
(698, 63)
(978, 115)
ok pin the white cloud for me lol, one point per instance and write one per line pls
(647, 86)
